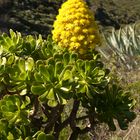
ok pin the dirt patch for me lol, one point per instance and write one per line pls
(116, 13)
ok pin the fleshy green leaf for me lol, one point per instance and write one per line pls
(10, 136)
(49, 137)
(23, 92)
(51, 94)
(21, 65)
(38, 77)
(52, 103)
(10, 59)
(42, 136)
(29, 64)
(44, 72)
(67, 75)
(38, 89)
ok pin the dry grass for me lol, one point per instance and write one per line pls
(133, 132)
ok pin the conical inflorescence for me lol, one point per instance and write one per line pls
(75, 27)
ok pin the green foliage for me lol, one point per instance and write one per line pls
(37, 79)
(14, 116)
(115, 105)
(124, 45)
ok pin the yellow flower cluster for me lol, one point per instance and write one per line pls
(75, 27)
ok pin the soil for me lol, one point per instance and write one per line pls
(117, 12)
(37, 16)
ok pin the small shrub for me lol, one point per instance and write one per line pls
(124, 46)
(37, 80)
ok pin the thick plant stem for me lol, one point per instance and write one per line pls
(58, 123)
(75, 129)
(73, 114)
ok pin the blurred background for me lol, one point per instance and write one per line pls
(37, 16)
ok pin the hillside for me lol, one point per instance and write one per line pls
(37, 16)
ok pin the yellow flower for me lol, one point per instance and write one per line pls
(85, 31)
(77, 45)
(81, 37)
(91, 37)
(69, 26)
(73, 39)
(85, 43)
(65, 41)
(75, 27)
(72, 45)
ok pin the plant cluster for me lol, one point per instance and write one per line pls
(37, 79)
(124, 45)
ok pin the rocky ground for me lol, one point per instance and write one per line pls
(37, 16)
(117, 12)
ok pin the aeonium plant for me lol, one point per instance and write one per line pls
(38, 78)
